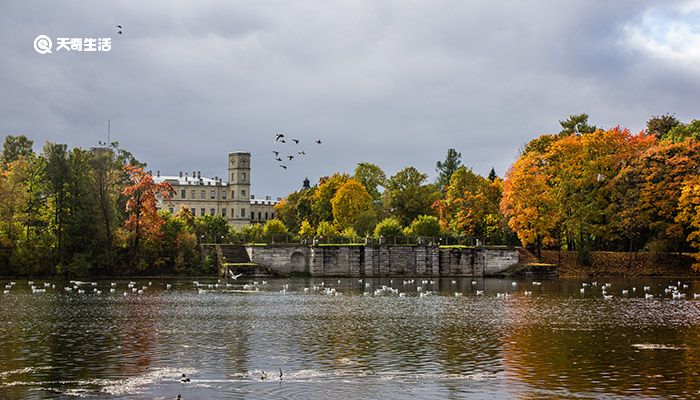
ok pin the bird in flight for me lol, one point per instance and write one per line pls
(278, 159)
(283, 166)
(234, 277)
(290, 157)
(120, 29)
(277, 153)
(295, 141)
(318, 141)
(283, 141)
(279, 136)
(302, 152)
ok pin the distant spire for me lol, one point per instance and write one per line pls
(307, 184)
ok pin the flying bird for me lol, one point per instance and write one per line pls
(278, 159)
(277, 153)
(318, 141)
(279, 136)
(290, 158)
(302, 152)
(234, 277)
(283, 166)
(120, 29)
(295, 141)
(283, 141)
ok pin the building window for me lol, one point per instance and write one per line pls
(193, 213)
(172, 210)
(183, 193)
(273, 216)
(223, 212)
(202, 211)
(203, 194)
(233, 177)
(194, 194)
(212, 194)
(259, 215)
(265, 216)
(242, 212)
(243, 193)
(243, 177)
(212, 211)
(223, 194)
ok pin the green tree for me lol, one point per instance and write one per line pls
(252, 233)
(58, 176)
(372, 178)
(407, 196)
(14, 148)
(445, 169)
(492, 175)
(682, 132)
(661, 125)
(576, 124)
(210, 228)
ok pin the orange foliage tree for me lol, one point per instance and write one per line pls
(143, 221)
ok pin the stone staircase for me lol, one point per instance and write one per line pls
(235, 258)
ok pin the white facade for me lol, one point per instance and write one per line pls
(206, 196)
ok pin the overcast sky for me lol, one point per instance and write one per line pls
(394, 83)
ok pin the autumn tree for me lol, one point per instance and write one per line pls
(470, 206)
(350, 201)
(372, 178)
(689, 214)
(143, 221)
(321, 206)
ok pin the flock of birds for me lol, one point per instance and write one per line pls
(423, 288)
(281, 138)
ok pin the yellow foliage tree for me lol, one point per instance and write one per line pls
(349, 202)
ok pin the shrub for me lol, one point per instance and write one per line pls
(306, 229)
(325, 230)
(350, 234)
(388, 228)
(274, 227)
(425, 225)
(252, 233)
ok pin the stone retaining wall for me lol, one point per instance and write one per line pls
(386, 260)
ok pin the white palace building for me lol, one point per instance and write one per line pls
(206, 196)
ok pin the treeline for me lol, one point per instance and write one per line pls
(459, 204)
(588, 189)
(76, 212)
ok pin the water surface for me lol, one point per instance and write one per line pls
(346, 339)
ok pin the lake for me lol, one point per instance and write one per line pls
(350, 338)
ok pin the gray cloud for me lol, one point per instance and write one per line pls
(390, 82)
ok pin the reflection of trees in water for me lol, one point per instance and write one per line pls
(598, 359)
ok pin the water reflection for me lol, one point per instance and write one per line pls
(556, 342)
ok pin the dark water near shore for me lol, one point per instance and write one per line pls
(554, 343)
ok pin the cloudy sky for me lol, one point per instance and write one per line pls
(395, 83)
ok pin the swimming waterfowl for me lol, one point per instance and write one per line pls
(184, 379)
